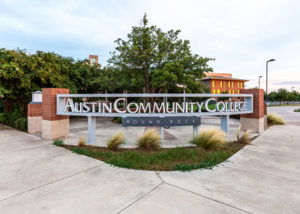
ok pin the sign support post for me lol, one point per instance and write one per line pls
(195, 130)
(91, 129)
(225, 123)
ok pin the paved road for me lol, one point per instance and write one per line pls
(36, 177)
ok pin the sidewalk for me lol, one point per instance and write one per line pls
(36, 177)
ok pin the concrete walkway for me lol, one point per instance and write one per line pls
(36, 177)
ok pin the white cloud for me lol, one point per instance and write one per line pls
(241, 35)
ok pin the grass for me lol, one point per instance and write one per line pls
(115, 141)
(297, 110)
(180, 158)
(275, 119)
(150, 140)
(284, 105)
(210, 139)
(58, 143)
(245, 138)
(81, 141)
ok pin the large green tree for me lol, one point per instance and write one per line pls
(151, 60)
(22, 73)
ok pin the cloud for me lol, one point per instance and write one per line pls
(288, 83)
(240, 35)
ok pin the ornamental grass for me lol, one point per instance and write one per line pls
(150, 140)
(275, 119)
(245, 138)
(81, 142)
(116, 141)
(210, 139)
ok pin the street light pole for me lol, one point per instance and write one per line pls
(271, 60)
(259, 81)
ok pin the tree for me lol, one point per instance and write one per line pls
(22, 73)
(293, 96)
(282, 94)
(151, 60)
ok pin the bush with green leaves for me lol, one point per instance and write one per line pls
(13, 117)
(58, 142)
(21, 124)
(117, 119)
(210, 139)
(297, 110)
(3, 117)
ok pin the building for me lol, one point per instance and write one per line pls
(223, 83)
(93, 59)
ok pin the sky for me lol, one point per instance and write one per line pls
(240, 35)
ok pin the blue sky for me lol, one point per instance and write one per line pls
(240, 35)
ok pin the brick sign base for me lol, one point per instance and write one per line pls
(34, 117)
(53, 126)
(254, 121)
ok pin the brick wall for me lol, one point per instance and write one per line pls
(258, 103)
(49, 103)
(34, 110)
(266, 109)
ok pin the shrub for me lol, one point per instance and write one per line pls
(275, 119)
(245, 138)
(81, 142)
(58, 142)
(210, 139)
(150, 140)
(3, 117)
(13, 117)
(117, 120)
(115, 141)
(297, 110)
(21, 124)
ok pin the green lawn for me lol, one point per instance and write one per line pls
(282, 105)
(180, 158)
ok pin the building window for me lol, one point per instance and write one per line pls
(228, 84)
(238, 84)
(232, 84)
(218, 91)
(233, 91)
(229, 91)
(225, 83)
(214, 91)
(238, 91)
(213, 83)
(221, 84)
(241, 84)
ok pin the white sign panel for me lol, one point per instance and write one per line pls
(212, 104)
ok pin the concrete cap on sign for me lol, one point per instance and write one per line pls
(37, 97)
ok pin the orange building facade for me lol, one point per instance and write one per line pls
(223, 83)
